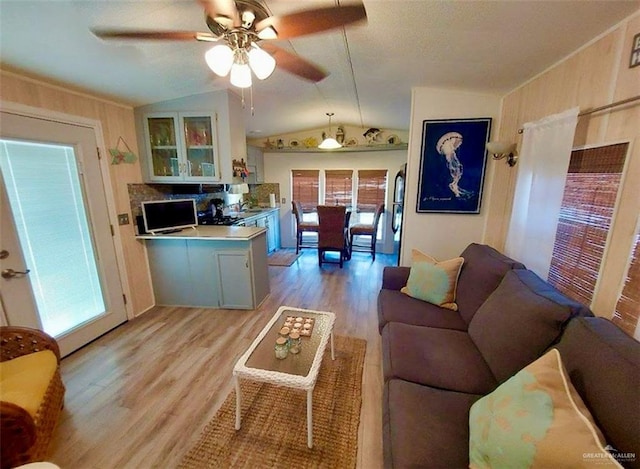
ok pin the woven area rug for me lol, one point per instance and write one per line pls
(283, 257)
(274, 421)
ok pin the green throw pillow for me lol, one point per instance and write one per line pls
(433, 281)
(536, 419)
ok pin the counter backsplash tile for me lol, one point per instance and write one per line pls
(139, 193)
(261, 192)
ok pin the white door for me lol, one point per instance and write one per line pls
(57, 258)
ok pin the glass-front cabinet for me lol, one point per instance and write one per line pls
(182, 147)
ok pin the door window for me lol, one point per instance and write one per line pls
(45, 195)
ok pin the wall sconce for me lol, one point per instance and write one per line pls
(501, 150)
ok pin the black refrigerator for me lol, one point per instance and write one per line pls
(397, 209)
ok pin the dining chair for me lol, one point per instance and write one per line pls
(332, 232)
(301, 225)
(366, 229)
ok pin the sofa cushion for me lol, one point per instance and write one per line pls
(482, 272)
(546, 290)
(425, 427)
(516, 324)
(603, 364)
(440, 358)
(535, 419)
(433, 281)
(24, 380)
(398, 307)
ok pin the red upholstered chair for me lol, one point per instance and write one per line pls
(301, 226)
(332, 232)
(364, 229)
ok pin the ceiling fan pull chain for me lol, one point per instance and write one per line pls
(242, 96)
(251, 98)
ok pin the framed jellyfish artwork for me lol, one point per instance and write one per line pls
(452, 165)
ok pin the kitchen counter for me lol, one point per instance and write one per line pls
(253, 212)
(209, 232)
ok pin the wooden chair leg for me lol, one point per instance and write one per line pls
(373, 246)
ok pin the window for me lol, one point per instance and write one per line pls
(372, 186)
(627, 310)
(305, 188)
(338, 187)
(585, 217)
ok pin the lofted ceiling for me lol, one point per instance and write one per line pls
(484, 46)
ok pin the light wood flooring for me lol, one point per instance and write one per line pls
(139, 396)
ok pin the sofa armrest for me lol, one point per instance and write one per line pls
(394, 278)
(17, 341)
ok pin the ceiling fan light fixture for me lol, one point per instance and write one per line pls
(261, 62)
(220, 59)
(240, 75)
(268, 33)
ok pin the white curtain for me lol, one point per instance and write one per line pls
(542, 170)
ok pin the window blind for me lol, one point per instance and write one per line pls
(372, 185)
(627, 311)
(585, 217)
(305, 188)
(338, 187)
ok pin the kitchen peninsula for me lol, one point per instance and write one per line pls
(209, 266)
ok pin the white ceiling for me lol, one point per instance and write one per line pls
(486, 46)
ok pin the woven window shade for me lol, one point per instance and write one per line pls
(585, 217)
(338, 187)
(305, 188)
(372, 185)
(627, 311)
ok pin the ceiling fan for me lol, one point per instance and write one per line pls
(238, 28)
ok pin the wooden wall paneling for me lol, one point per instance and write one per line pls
(116, 120)
(594, 76)
(623, 124)
(500, 197)
(628, 80)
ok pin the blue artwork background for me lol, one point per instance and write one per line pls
(434, 193)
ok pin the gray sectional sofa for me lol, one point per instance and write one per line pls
(438, 362)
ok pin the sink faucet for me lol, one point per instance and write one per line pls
(243, 205)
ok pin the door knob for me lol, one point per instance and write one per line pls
(10, 273)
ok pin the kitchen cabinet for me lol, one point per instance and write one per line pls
(182, 147)
(224, 112)
(234, 279)
(255, 164)
(269, 219)
(212, 267)
(272, 224)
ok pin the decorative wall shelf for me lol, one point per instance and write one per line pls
(357, 148)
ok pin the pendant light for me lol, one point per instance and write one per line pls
(329, 143)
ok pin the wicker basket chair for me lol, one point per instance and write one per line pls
(365, 229)
(301, 226)
(25, 439)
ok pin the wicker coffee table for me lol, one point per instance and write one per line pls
(299, 371)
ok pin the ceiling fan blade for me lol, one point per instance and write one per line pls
(154, 35)
(313, 21)
(218, 9)
(294, 63)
